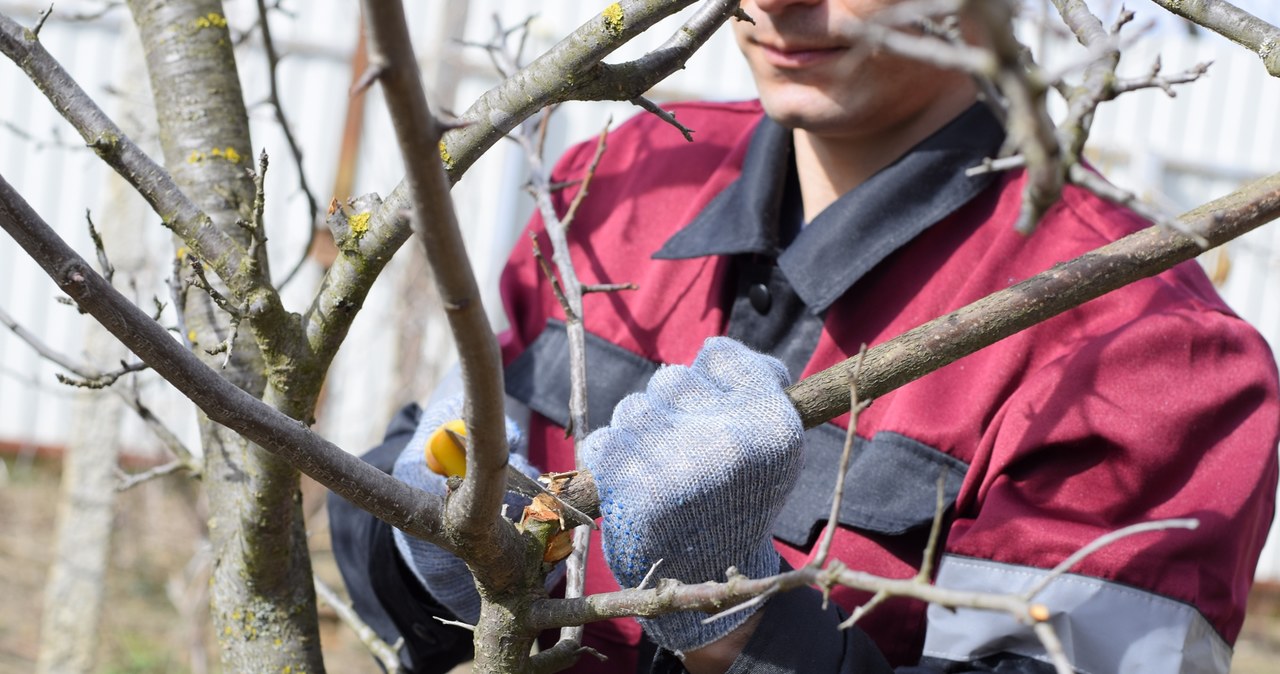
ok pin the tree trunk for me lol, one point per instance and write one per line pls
(77, 580)
(75, 590)
(262, 596)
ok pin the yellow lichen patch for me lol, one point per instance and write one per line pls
(359, 223)
(211, 20)
(195, 157)
(182, 252)
(191, 337)
(613, 18)
(228, 154)
(445, 156)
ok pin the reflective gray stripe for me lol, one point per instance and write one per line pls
(539, 377)
(1106, 628)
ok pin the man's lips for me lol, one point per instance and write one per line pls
(798, 56)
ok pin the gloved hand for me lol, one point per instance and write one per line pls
(444, 575)
(693, 471)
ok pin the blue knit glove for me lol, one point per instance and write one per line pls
(445, 576)
(693, 472)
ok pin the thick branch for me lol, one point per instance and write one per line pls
(912, 355)
(1099, 76)
(178, 212)
(367, 487)
(117, 150)
(1233, 23)
(490, 118)
(472, 511)
(571, 66)
(825, 395)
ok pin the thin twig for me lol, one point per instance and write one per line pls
(44, 16)
(387, 655)
(1083, 177)
(199, 280)
(129, 481)
(104, 263)
(665, 115)
(455, 623)
(97, 380)
(601, 144)
(608, 287)
(91, 378)
(1103, 541)
(856, 406)
(1163, 82)
(1053, 647)
(273, 97)
(644, 582)
(858, 611)
(554, 280)
(931, 553)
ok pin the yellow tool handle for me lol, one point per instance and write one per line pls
(445, 451)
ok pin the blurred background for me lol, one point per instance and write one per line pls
(1217, 134)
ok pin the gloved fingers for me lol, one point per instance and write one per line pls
(615, 448)
(440, 412)
(411, 468)
(683, 389)
(733, 367)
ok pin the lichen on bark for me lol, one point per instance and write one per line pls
(262, 593)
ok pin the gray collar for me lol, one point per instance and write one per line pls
(857, 231)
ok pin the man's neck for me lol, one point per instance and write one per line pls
(829, 165)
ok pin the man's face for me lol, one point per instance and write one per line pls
(811, 76)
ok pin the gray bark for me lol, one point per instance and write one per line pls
(77, 580)
(75, 590)
(262, 597)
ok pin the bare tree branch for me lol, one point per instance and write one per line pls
(908, 357)
(473, 510)
(273, 97)
(1233, 23)
(386, 654)
(824, 396)
(114, 147)
(129, 481)
(177, 211)
(576, 59)
(489, 119)
(367, 487)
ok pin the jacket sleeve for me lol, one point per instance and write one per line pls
(384, 591)
(1172, 414)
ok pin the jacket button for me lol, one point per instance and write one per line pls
(760, 298)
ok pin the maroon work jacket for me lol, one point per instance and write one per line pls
(1154, 401)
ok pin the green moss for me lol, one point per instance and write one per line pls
(105, 144)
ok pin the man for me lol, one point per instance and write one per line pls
(842, 216)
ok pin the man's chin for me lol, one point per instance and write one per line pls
(813, 116)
